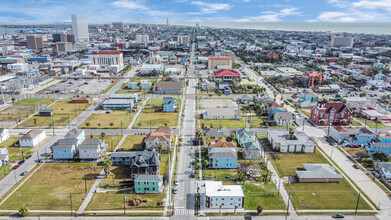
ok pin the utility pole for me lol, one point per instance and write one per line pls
(85, 183)
(287, 206)
(121, 128)
(112, 144)
(279, 180)
(20, 200)
(38, 156)
(124, 204)
(358, 201)
(53, 127)
(169, 179)
(303, 125)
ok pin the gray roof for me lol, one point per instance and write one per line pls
(318, 171)
(92, 141)
(123, 96)
(148, 178)
(139, 158)
(117, 101)
(244, 132)
(222, 111)
(385, 165)
(218, 152)
(65, 144)
(46, 110)
(281, 137)
(251, 146)
(283, 115)
(212, 132)
(74, 133)
(32, 134)
(67, 141)
(88, 146)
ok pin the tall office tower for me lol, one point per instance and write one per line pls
(142, 38)
(56, 37)
(80, 28)
(341, 41)
(118, 26)
(71, 38)
(34, 42)
(183, 39)
(167, 23)
(63, 37)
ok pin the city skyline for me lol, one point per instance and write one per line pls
(99, 11)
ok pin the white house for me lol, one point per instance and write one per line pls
(339, 133)
(91, 149)
(384, 169)
(298, 142)
(4, 157)
(4, 134)
(32, 138)
(283, 118)
(215, 195)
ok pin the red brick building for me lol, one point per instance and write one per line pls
(311, 80)
(324, 113)
(81, 100)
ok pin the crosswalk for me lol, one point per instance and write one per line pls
(184, 212)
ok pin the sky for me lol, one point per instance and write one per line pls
(177, 11)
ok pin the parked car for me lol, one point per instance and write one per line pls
(21, 162)
(338, 216)
(28, 157)
(176, 182)
(353, 146)
(355, 166)
(192, 175)
(175, 191)
(24, 173)
(16, 166)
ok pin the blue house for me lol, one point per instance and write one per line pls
(384, 137)
(309, 96)
(65, 149)
(379, 147)
(45, 112)
(76, 134)
(223, 158)
(363, 138)
(169, 104)
(273, 108)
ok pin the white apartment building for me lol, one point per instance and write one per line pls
(142, 38)
(184, 39)
(32, 138)
(341, 41)
(80, 28)
(215, 195)
(111, 61)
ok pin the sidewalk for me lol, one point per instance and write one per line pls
(88, 198)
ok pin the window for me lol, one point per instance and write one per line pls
(222, 199)
(240, 199)
(231, 198)
(153, 189)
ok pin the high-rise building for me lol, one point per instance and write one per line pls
(341, 41)
(63, 37)
(184, 39)
(167, 22)
(80, 28)
(63, 47)
(56, 37)
(71, 38)
(34, 42)
(118, 26)
(142, 38)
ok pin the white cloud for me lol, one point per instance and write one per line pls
(210, 8)
(270, 16)
(362, 10)
(130, 4)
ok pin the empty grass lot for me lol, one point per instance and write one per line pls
(257, 121)
(372, 124)
(315, 195)
(110, 144)
(115, 201)
(63, 113)
(224, 123)
(96, 121)
(24, 108)
(50, 187)
(133, 143)
(264, 194)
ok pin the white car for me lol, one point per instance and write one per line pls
(175, 191)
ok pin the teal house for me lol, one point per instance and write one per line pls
(244, 135)
(148, 183)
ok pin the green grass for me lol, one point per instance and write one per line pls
(355, 123)
(115, 201)
(111, 86)
(224, 123)
(63, 113)
(133, 143)
(164, 162)
(257, 121)
(50, 187)
(371, 123)
(15, 154)
(157, 119)
(315, 195)
(117, 174)
(265, 194)
(24, 108)
(104, 120)
(107, 138)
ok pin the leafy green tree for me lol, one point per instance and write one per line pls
(107, 166)
(23, 211)
(380, 157)
(259, 209)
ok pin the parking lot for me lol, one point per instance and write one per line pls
(72, 87)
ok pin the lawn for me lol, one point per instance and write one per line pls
(265, 194)
(50, 187)
(164, 162)
(117, 174)
(257, 121)
(315, 195)
(110, 144)
(63, 113)
(355, 123)
(224, 123)
(15, 154)
(111, 120)
(22, 109)
(133, 143)
(353, 151)
(157, 119)
(287, 164)
(371, 123)
(219, 174)
(115, 201)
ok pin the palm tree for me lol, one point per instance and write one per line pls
(205, 162)
(106, 166)
(291, 133)
(160, 147)
(235, 209)
(35, 122)
(259, 209)
(103, 135)
(221, 206)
